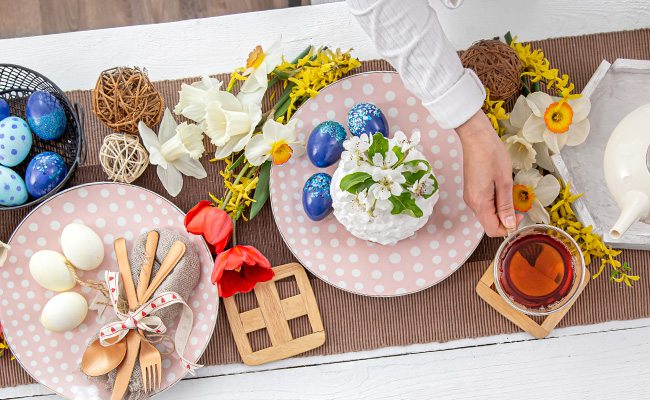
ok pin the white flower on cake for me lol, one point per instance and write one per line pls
(383, 189)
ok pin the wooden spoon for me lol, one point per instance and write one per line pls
(172, 258)
(99, 360)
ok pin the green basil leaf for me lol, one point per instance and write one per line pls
(405, 204)
(379, 145)
(351, 180)
(262, 189)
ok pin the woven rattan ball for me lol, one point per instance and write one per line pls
(125, 96)
(123, 157)
(498, 67)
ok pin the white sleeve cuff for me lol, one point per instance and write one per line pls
(459, 103)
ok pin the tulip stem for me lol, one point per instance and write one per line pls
(233, 238)
(237, 179)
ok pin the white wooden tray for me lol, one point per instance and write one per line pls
(615, 90)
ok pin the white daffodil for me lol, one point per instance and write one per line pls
(277, 141)
(4, 251)
(521, 152)
(388, 183)
(260, 63)
(557, 123)
(195, 97)
(230, 124)
(532, 192)
(404, 143)
(176, 150)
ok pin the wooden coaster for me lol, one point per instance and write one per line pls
(486, 290)
(273, 315)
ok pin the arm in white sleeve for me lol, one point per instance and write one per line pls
(408, 35)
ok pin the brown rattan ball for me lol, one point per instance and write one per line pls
(123, 157)
(498, 67)
(125, 96)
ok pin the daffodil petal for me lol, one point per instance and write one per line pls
(508, 129)
(547, 190)
(542, 157)
(258, 150)
(272, 131)
(149, 137)
(228, 101)
(538, 214)
(539, 102)
(252, 97)
(171, 179)
(554, 141)
(520, 113)
(190, 167)
(581, 108)
(578, 133)
(534, 128)
(298, 149)
(167, 128)
(528, 178)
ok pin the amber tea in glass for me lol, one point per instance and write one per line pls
(536, 270)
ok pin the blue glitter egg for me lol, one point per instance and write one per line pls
(15, 141)
(12, 188)
(44, 173)
(4, 110)
(325, 143)
(316, 198)
(367, 118)
(45, 115)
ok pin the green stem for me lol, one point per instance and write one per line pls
(301, 55)
(282, 109)
(237, 179)
(535, 87)
(233, 238)
(525, 88)
(280, 74)
(283, 75)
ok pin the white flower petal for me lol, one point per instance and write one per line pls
(298, 149)
(538, 214)
(378, 159)
(539, 102)
(252, 97)
(554, 141)
(190, 167)
(547, 190)
(4, 251)
(171, 179)
(534, 128)
(528, 178)
(167, 128)
(521, 152)
(149, 137)
(258, 150)
(228, 101)
(520, 113)
(581, 108)
(542, 157)
(509, 129)
(578, 132)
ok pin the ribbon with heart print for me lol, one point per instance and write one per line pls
(140, 319)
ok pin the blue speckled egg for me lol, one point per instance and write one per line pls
(325, 143)
(367, 118)
(15, 141)
(45, 115)
(12, 188)
(44, 173)
(4, 110)
(316, 198)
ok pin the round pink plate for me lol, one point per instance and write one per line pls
(327, 249)
(112, 210)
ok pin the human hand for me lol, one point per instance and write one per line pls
(488, 176)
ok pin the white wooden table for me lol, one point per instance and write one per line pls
(603, 361)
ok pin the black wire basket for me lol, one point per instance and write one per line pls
(16, 85)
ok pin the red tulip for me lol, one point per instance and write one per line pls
(213, 223)
(237, 270)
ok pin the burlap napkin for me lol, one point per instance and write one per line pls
(181, 280)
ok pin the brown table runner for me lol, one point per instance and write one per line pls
(450, 310)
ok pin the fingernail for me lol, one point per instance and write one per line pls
(510, 222)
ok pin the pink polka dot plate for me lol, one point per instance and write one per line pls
(327, 249)
(112, 210)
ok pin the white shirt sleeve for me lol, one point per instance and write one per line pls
(408, 35)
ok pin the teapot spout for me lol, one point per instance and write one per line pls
(635, 206)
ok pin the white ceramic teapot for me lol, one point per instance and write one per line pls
(627, 169)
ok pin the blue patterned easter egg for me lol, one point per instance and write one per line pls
(15, 141)
(4, 110)
(45, 115)
(12, 188)
(44, 173)
(367, 118)
(325, 143)
(316, 198)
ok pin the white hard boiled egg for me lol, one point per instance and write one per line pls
(49, 269)
(64, 312)
(82, 246)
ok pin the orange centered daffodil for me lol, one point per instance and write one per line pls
(277, 142)
(522, 197)
(281, 152)
(558, 117)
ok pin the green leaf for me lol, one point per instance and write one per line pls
(435, 187)
(379, 145)
(398, 152)
(351, 180)
(417, 162)
(508, 38)
(405, 204)
(613, 274)
(411, 177)
(236, 163)
(360, 187)
(626, 267)
(262, 189)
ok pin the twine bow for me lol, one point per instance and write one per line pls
(140, 319)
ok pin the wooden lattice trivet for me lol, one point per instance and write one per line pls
(273, 315)
(486, 290)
